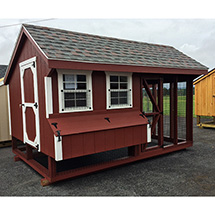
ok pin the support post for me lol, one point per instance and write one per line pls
(29, 153)
(175, 109)
(172, 110)
(189, 110)
(14, 143)
(51, 167)
(160, 105)
(198, 119)
(134, 150)
(154, 109)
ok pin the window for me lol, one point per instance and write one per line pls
(75, 91)
(119, 90)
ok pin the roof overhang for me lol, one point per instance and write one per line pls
(204, 76)
(23, 33)
(62, 64)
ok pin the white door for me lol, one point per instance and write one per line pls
(30, 105)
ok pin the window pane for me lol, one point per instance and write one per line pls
(81, 78)
(114, 78)
(81, 86)
(114, 101)
(81, 103)
(69, 103)
(69, 86)
(69, 95)
(123, 94)
(123, 85)
(80, 95)
(123, 78)
(69, 78)
(114, 85)
(114, 94)
(123, 100)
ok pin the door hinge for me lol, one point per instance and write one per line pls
(35, 105)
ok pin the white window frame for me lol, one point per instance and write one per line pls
(108, 97)
(88, 74)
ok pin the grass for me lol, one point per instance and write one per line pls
(147, 105)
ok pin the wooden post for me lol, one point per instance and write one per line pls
(175, 109)
(198, 119)
(160, 105)
(29, 153)
(189, 110)
(134, 150)
(171, 110)
(51, 167)
(154, 109)
(14, 143)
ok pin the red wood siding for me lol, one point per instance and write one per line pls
(100, 141)
(99, 90)
(25, 52)
(75, 145)
(99, 96)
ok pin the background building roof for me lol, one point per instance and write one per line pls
(3, 69)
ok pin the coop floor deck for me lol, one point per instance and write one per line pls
(189, 172)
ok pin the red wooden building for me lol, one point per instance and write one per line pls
(73, 95)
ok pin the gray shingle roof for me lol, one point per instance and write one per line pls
(3, 69)
(72, 46)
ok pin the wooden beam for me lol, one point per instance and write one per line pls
(29, 153)
(51, 167)
(61, 64)
(189, 110)
(150, 95)
(160, 104)
(156, 118)
(175, 110)
(172, 110)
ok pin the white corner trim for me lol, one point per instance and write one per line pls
(48, 96)
(58, 148)
(9, 114)
(149, 139)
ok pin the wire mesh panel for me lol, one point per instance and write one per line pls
(166, 109)
(147, 104)
(181, 110)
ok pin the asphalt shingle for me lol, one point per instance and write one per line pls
(3, 69)
(72, 46)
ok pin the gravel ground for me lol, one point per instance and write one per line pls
(189, 172)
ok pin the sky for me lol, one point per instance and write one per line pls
(194, 37)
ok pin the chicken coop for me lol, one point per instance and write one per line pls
(81, 103)
(205, 100)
